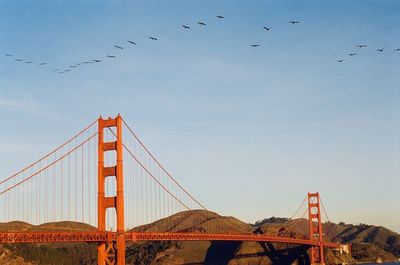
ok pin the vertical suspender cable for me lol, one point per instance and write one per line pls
(53, 177)
(69, 183)
(88, 179)
(76, 184)
(37, 191)
(62, 185)
(82, 162)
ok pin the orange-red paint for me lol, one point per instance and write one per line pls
(111, 251)
(315, 229)
(50, 237)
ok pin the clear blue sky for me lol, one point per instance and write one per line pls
(266, 125)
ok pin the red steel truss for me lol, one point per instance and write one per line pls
(49, 237)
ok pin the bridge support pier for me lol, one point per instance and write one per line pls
(111, 252)
(315, 229)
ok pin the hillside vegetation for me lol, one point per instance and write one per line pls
(368, 242)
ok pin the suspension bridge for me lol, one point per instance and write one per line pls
(106, 177)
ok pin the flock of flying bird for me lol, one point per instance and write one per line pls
(152, 38)
(360, 46)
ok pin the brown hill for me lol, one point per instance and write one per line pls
(232, 253)
(63, 254)
(286, 253)
(368, 242)
(185, 252)
(197, 221)
(7, 257)
(377, 235)
(17, 226)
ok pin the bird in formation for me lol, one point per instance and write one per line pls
(186, 27)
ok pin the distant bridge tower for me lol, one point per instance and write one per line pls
(315, 229)
(111, 252)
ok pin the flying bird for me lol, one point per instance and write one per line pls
(352, 54)
(73, 66)
(29, 62)
(96, 61)
(380, 50)
(361, 46)
(18, 60)
(8, 55)
(294, 22)
(201, 23)
(110, 56)
(132, 42)
(340, 61)
(220, 17)
(185, 27)
(153, 38)
(68, 70)
(255, 45)
(267, 29)
(118, 47)
(42, 64)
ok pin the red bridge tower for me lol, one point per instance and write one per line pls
(315, 228)
(111, 252)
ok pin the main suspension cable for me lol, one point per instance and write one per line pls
(49, 154)
(151, 175)
(162, 168)
(49, 165)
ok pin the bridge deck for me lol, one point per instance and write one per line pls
(51, 237)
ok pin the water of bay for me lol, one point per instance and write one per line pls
(386, 263)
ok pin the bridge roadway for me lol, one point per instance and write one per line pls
(52, 237)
